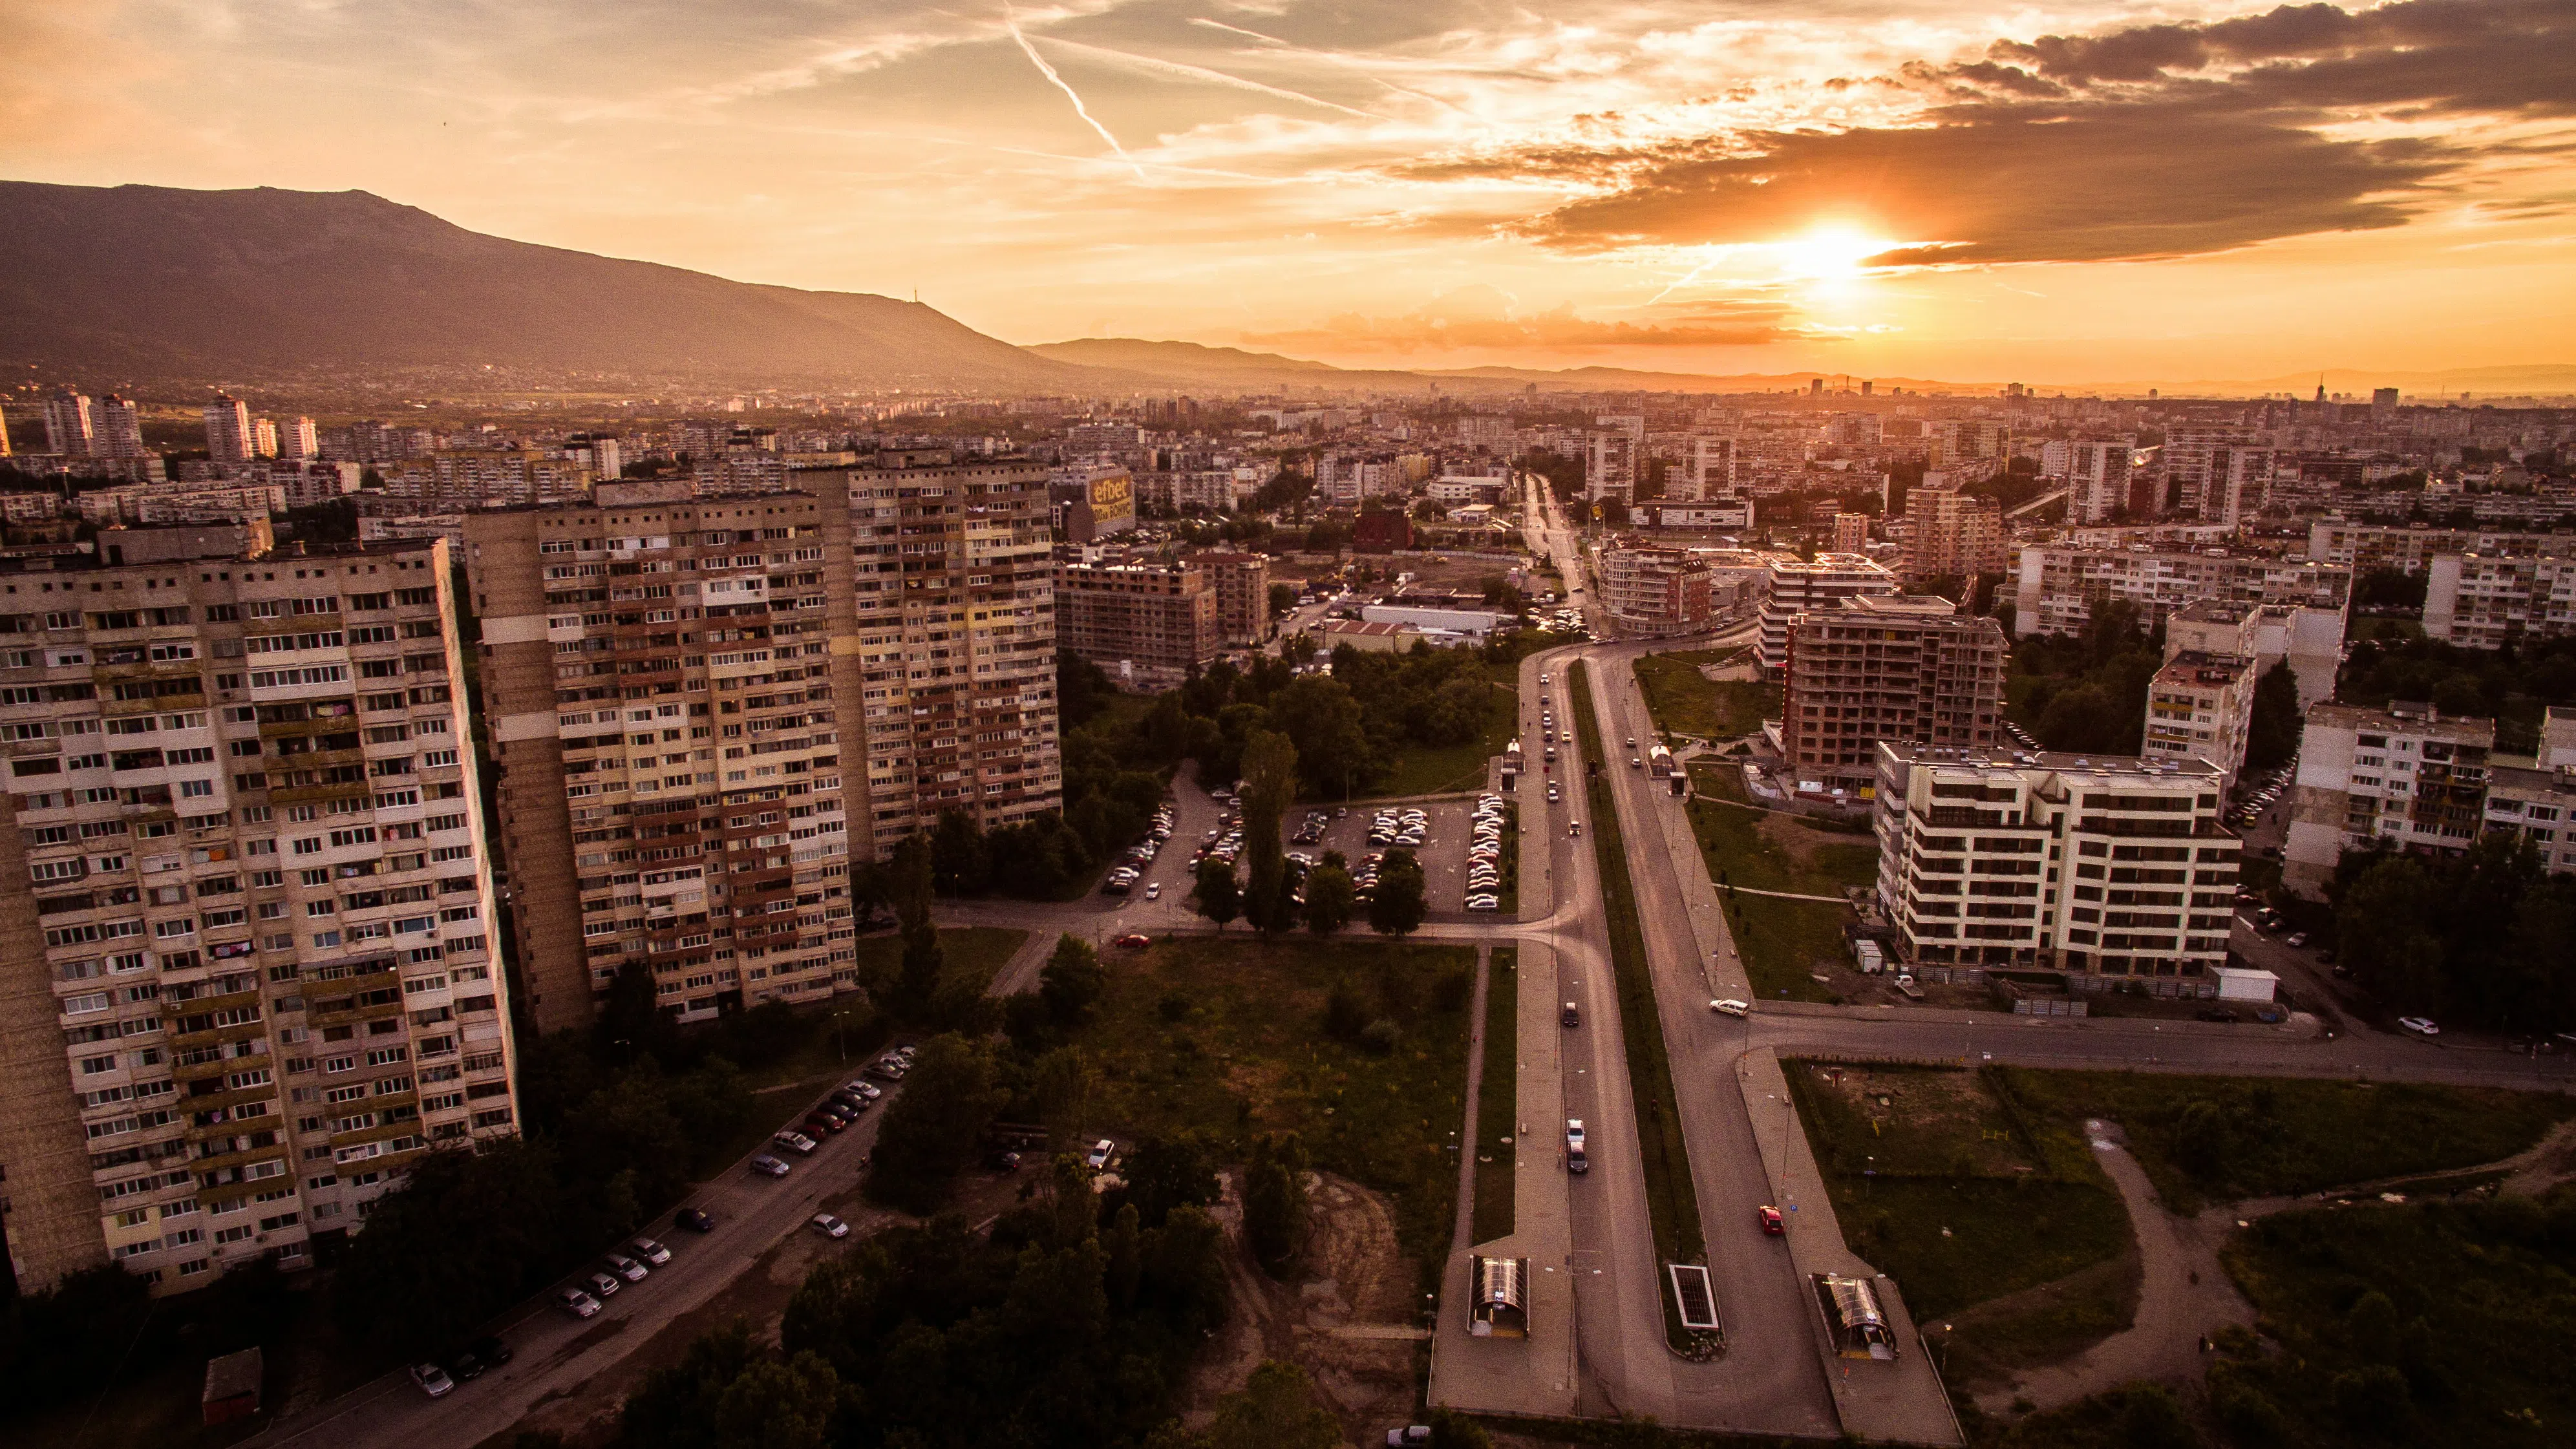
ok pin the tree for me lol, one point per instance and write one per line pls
(958, 863)
(2082, 720)
(922, 959)
(1072, 982)
(1218, 897)
(1276, 1410)
(1322, 720)
(935, 1122)
(1398, 907)
(2384, 923)
(1167, 1172)
(1269, 784)
(2273, 737)
(1283, 598)
(1274, 1200)
(773, 1405)
(1330, 897)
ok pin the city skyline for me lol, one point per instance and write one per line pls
(2060, 195)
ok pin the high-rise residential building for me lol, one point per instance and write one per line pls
(299, 441)
(1241, 582)
(1147, 622)
(1794, 587)
(2237, 484)
(252, 973)
(2201, 706)
(704, 709)
(2383, 401)
(70, 424)
(1611, 470)
(118, 424)
(1652, 591)
(1970, 447)
(2404, 774)
(1851, 532)
(1952, 534)
(2192, 461)
(1886, 667)
(2311, 640)
(229, 437)
(263, 438)
(2481, 601)
(1710, 474)
(2096, 471)
(2111, 869)
(2059, 584)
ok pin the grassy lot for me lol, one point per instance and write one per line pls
(1497, 1098)
(1227, 1037)
(1672, 1201)
(1967, 1202)
(1781, 941)
(2426, 1324)
(2203, 1139)
(1685, 702)
(1421, 771)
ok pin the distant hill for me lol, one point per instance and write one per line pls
(160, 282)
(1191, 364)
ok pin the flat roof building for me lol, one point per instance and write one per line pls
(1897, 667)
(1795, 586)
(2404, 774)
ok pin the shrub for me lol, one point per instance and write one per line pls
(1381, 1035)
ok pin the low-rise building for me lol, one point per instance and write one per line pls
(1877, 668)
(2201, 706)
(2405, 774)
(2311, 640)
(2111, 869)
(2538, 803)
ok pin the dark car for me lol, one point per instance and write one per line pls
(695, 1220)
(2218, 1013)
(481, 1354)
(825, 1122)
(1003, 1161)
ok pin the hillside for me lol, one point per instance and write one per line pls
(155, 281)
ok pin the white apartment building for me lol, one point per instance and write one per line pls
(2096, 472)
(1795, 587)
(2362, 547)
(2201, 706)
(2111, 869)
(229, 436)
(1611, 471)
(2404, 774)
(2058, 584)
(1709, 474)
(252, 910)
(71, 424)
(2310, 639)
(2480, 601)
(119, 432)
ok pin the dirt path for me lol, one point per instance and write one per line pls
(2183, 1294)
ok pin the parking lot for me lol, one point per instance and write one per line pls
(1448, 832)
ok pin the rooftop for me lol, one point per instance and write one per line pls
(2053, 761)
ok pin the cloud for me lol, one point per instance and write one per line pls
(1479, 319)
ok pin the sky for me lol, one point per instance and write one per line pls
(2056, 193)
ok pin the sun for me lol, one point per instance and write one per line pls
(1827, 254)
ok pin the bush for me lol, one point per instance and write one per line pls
(1381, 1035)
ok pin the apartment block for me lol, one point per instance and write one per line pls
(2058, 584)
(1709, 474)
(2112, 869)
(229, 436)
(1952, 534)
(1892, 667)
(71, 423)
(1795, 586)
(1851, 532)
(442, 482)
(2362, 547)
(1652, 592)
(2537, 802)
(2096, 471)
(2483, 601)
(2201, 706)
(1154, 621)
(2404, 774)
(1611, 469)
(255, 979)
(704, 709)
(1242, 585)
(2311, 640)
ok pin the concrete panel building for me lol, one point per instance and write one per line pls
(1152, 622)
(2058, 584)
(1952, 534)
(1795, 586)
(2404, 774)
(1876, 668)
(1242, 585)
(2483, 601)
(2362, 547)
(2201, 706)
(252, 969)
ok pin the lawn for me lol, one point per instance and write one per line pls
(1686, 702)
(1497, 1098)
(1227, 1037)
(1672, 1200)
(1420, 770)
(2426, 1324)
(1940, 1185)
(1781, 941)
(2204, 1139)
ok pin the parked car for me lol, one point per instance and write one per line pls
(829, 1226)
(796, 1142)
(432, 1379)
(650, 1251)
(768, 1166)
(1729, 1006)
(600, 1285)
(819, 1123)
(1154, 891)
(626, 1267)
(2295, 939)
(1409, 1434)
(696, 1220)
(1574, 1158)
(1100, 1153)
(1003, 1160)
(2420, 1025)
(869, 1090)
(2217, 1013)
(483, 1353)
(576, 1303)
(1134, 941)
(1770, 1219)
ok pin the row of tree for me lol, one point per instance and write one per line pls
(2487, 935)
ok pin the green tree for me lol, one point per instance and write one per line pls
(1072, 982)
(1166, 1171)
(1283, 598)
(935, 1123)
(1323, 721)
(773, 1405)
(2086, 719)
(677, 1407)
(2384, 921)
(2273, 737)
(467, 1236)
(1269, 784)
(1276, 1410)
(911, 875)
(958, 862)
(1330, 898)
(1398, 906)
(1274, 1200)
(1217, 895)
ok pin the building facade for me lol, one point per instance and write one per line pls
(2059, 585)
(1241, 582)
(2483, 601)
(1794, 587)
(1951, 534)
(1157, 621)
(255, 978)
(1651, 592)
(2201, 706)
(2113, 870)
(2362, 547)
(2404, 774)
(229, 436)
(1851, 532)
(1886, 667)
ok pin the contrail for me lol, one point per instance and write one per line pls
(1216, 77)
(1013, 21)
(1336, 58)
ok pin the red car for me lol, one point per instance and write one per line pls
(1769, 1218)
(1135, 941)
(824, 1122)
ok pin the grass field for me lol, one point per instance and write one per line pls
(2204, 1139)
(1781, 941)
(1672, 1201)
(1497, 1098)
(1685, 702)
(1227, 1037)
(1421, 771)
(2425, 1324)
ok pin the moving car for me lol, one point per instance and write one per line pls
(2295, 939)
(576, 1303)
(1134, 941)
(1574, 829)
(1571, 1016)
(1574, 1158)
(2420, 1025)
(695, 1220)
(432, 1379)
(1729, 1006)
(1154, 891)
(1769, 1217)
(768, 1166)
(829, 1226)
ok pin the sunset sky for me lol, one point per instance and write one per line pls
(2054, 192)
